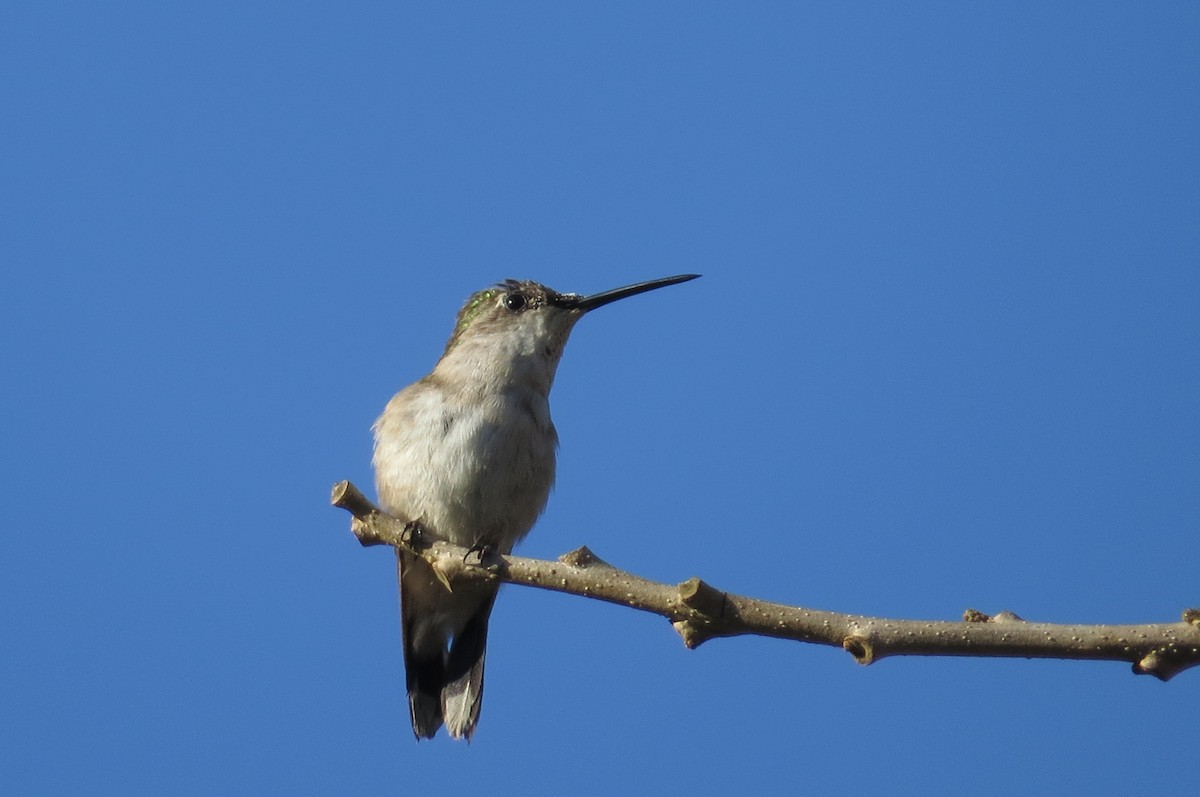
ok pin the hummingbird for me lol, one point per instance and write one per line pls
(467, 454)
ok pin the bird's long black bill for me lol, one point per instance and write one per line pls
(585, 303)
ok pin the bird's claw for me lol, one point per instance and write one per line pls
(481, 554)
(413, 534)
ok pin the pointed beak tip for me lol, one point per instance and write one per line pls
(587, 303)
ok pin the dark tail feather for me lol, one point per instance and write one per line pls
(442, 687)
(424, 666)
(462, 694)
(424, 678)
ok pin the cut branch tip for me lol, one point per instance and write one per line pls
(346, 496)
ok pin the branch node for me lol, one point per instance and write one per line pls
(1162, 664)
(1151, 664)
(694, 635)
(582, 557)
(1006, 617)
(976, 616)
(860, 648)
(1192, 617)
(442, 575)
(704, 598)
(450, 565)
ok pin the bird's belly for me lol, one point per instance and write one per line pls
(472, 474)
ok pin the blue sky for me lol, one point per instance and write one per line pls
(945, 354)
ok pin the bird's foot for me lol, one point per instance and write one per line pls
(414, 535)
(482, 554)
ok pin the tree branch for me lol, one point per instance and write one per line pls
(700, 612)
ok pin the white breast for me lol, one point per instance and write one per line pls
(473, 472)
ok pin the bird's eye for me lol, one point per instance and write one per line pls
(515, 302)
